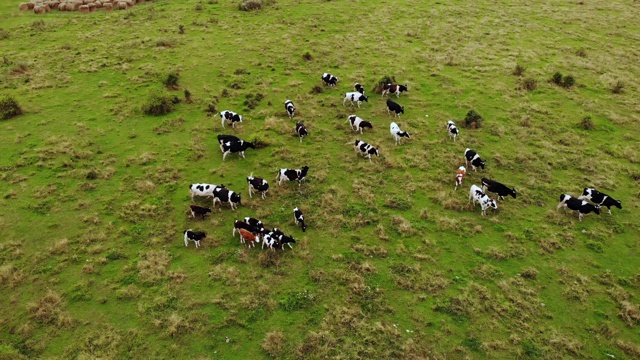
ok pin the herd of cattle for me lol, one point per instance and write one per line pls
(252, 231)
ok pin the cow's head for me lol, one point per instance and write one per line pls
(404, 87)
(618, 204)
(235, 198)
(596, 209)
(481, 165)
(249, 178)
(250, 145)
(402, 109)
(364, 98)
(376, 151)
(492, 204)
(366, 124)
(513, 193)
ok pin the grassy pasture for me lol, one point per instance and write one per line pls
(394, 263)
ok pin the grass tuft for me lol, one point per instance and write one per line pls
(519, 70)
(274, 343)
(473, 120)
(153, 266)
(9, 108)
(48, 311)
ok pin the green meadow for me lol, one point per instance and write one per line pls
(395, 264)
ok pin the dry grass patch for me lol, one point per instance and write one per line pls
(48, 311)
(629, 348)
(10, 276)
(153, 266)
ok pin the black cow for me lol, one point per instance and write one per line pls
(226, 195)
(582, 207)
(301, 130)
(394, 89)
(366, 149)
(473, 158)
(498, 188)
(329, 79)
(195, 236)
(231, 117)
(395, 107)
(254, 222)
(235, 147)
(288, 105)
(291, 175)
(359, 88)
(226, 138)
(599, 198)
(258, 185)
(355, 96)
(299, 218)
(199, 210)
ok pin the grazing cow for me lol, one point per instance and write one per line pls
(237, 225)
(473, 158)
(226, 195)
(460, 174)
(288, 105)
(395, 107)
(270, 240)
(301, 130)
(202, 189)
(299, 218)
(498, 188)
(230, 116)
(226, 138)
(397, 133)
(582, 207)
(254, 222)
(195, 236)
(394, 89)
(357, 123)
(199, 210)
(366, 149)
(235, 147)
(599, 198)
(291, 175)
(258, 185)
(286, 240)
(329, 79)
(250, 238)
(359, 88)
(476, 194)
(452, 129)
(355, 96)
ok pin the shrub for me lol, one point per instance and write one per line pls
(473, 120)
(9, 108)
(159, 104)
(587, 124)
(187, 96)
(618, 87)
(307, 56)
(557, 78)
(171, 81)
(568, 82)
(519, 70)
(249, 5)
(529, 84)
(273, 343)
(316, 90)
(383, 81)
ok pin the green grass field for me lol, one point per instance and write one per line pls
(394, 264)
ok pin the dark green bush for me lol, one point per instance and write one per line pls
(519, 70)
(473, 120)
(587, 124)
(382, 82)
(618, 87)
(568, 82)
(529, 84)
(171, 81)
(557, 78)
(9, 108)
(159, 104)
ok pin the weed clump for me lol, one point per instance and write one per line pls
(307, 56)
(171, 81)
(250, 5)
(160, 104)
(566, 82)
(9, 108)
(273, 343)
(382, 82)
(48, 310)
(316, 90)
(473, 120)
(529, 84)
(153, 266)
(252, 101)
(557, 78)
(519, 70)
(587, 124)
(618, 87)
(297, 300)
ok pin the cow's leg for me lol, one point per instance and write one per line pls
(580, 216)
(186, 240)
(289, 246)
(250, 191)
(223, 123)
(242, 152)
(225, 154)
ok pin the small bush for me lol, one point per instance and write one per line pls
(568, 82)
(9, 108)
(316, 90)
(198, 7)
(557, 78)
(383, 81)
(529, 84)
(618, 87)
(581, 52)
(159, 104)
(171, 81)
(519, 70)
(587, 124)
(181, 29)
(473, 120)
(187, 96)
(307, 56)
(273, 344)
(249, 5)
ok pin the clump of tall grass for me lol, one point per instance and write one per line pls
(519, 70)
(473, 120)
(250, 5)
(48, 310)
(618, 87)
(153, 266)
(9, 108)
(160, 104)
(274, 343)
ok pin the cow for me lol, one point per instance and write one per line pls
(270, 240)
(581, 206)
(249, 237)
(226, 138)
(195, 236)
(366, 149)
(254, 222)
(288, 105)
(202, 189)
(452, 129)
(230, 116)
(286, 240)
(472, 157)
(235, 147)
(397, 133)
(301, 130)
(199, 210)
(355, 96)
(599, 198)
(394, 89)
(299, 218)
(329, 79)
(291, 175)
(460, 174)
(258, 185)
(359, 88)
(357, 123)
(225, 195)
(395, 107)
(237, 225)
(498, 188)
(476, 194)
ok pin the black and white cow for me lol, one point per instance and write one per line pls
(226, 138)
(581, 206)
(498, 188)
(195, 236)
(397, 133)
(225, 195)
(599, 198)
(394, 89)
(357, 123)
(202, 189)
(254, 222)
(452, 130)
(395, 108)
(365, 149)
(286, 240)
(292, 175)
(301, 130)
(258, 185)
(230, 116)
(235, 147)
(359, 88)
(288, 105)
(476, 194)
(299, 218)
(237, 225)
(271, 240)
(329, 79)
(472, 157)
(199, 210)
(355, 96)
